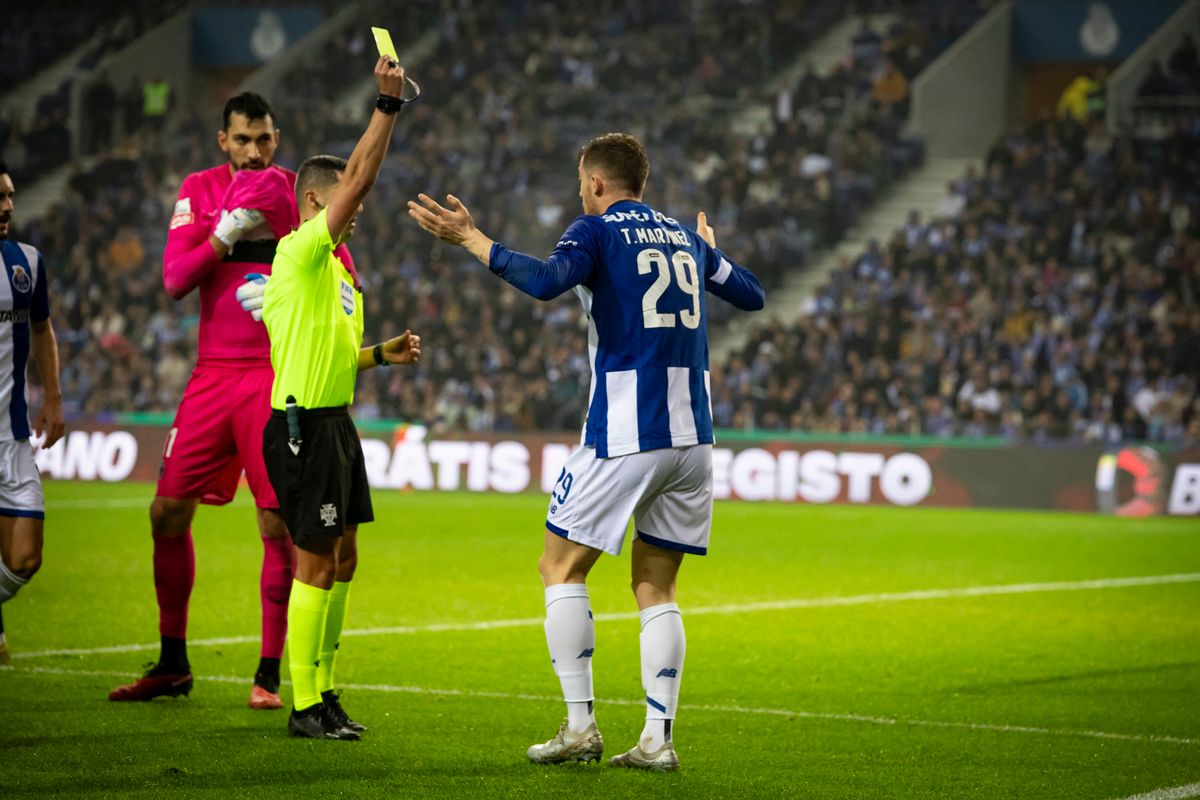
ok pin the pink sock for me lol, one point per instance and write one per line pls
(174, 574)
(278, 569)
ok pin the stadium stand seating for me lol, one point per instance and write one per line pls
(36, 145)
(1061, 303)
(499, 126)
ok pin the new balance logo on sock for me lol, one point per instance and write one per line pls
(586, 653)
(667, 672)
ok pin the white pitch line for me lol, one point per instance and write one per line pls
(1174, 793)
(742, 608)
(726, 709)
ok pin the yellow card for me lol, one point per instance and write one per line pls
(383, 40)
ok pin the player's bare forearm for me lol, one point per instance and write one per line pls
(49, 423)
(45, 353)
(452, 224)
(479, 245)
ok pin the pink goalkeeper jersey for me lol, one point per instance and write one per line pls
(228, 335)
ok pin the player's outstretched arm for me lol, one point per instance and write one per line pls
(49, 423)
(727, 279)
(402, 349)
(453, 225)
(569, 265)
(362, 170)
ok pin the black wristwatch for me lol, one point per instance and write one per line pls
(377, 352)
(388, 104)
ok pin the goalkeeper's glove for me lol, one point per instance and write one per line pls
(250, 294)
(235, 224)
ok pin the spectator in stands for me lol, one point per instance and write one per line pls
(781, 194)
(1097, 96)
(156, 101)
(890, 89)
(125, 251)
(99, 114)
(1073, 102)
(866, 45)
(951, 206)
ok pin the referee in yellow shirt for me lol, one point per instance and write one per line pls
(314, 316)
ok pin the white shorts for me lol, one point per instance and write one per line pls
(668, 493)
(20, 481)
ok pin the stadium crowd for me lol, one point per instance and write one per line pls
(1056, 299)
(105, 239)
(510, 111)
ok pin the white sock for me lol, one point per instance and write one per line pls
(663, 648)
(571, 636)
(9, 583)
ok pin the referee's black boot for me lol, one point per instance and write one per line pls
(332, 701)
(315, 722)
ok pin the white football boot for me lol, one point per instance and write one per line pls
(569, 747)
(661, 760)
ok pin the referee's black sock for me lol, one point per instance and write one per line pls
(172, 659)
(267, 675)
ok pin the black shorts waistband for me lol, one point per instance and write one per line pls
(312, 413)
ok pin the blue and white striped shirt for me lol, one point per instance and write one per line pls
(23, 297)
(642, 278)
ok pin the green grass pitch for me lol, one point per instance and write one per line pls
(813, 669)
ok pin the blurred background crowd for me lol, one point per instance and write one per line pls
(1053, 294)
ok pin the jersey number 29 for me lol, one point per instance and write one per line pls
(686, 276)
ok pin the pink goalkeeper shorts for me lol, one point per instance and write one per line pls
(218, 432)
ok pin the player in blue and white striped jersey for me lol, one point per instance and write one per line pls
(24, 327)
(647, 442)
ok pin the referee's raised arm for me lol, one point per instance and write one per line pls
(363, 167)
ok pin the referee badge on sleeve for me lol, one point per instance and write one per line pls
(347, 298)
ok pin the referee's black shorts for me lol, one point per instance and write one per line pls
(323, 488)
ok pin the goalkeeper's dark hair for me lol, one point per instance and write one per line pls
(318, 172)
(621, 158)
(250, 104)
(4, 168)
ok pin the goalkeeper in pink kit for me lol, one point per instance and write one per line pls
(225, 225)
